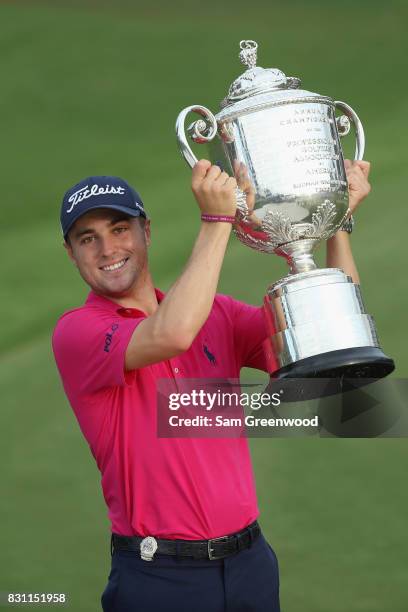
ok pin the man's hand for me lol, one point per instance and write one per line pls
(339, 254)
(171, 329)
(357, 177)
(244, 183)
(213, 189)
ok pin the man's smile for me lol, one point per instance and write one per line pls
(114, 266)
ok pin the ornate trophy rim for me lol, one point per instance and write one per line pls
(264, 100)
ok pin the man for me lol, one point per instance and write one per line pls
(183, 510)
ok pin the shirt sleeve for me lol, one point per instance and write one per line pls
(90, 348)
(250, 333)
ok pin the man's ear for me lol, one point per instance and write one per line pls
(68, 247)
(147, 232)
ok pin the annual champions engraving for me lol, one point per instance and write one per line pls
(307, 115)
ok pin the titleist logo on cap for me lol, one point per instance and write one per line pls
(85, 193)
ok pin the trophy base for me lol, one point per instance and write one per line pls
(330, 374)
(319, 329)
(353, 363)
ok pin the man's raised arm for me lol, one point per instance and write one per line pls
(171, 329)
(339, 254)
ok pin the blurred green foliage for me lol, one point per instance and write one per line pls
(95, 88)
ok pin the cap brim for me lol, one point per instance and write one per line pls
(124, 209)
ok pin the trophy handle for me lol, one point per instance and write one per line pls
(343, 126)
(200, 131)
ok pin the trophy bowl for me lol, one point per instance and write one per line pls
(283, 146)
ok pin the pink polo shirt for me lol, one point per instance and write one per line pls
(188, 488)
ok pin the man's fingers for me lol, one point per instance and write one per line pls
(230, 183)
(200, 171)
(357, 178)
(364, 167)
(213, 173)
(222, 178)
(236, 165)
(242, 177)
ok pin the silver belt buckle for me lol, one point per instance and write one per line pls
(148, 547)
(210, 550)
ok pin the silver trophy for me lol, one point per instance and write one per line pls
(287, 140)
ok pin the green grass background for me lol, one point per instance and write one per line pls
(94, 88)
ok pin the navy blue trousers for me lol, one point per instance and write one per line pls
(247, 581)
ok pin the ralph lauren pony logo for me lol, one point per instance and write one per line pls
(211, 358)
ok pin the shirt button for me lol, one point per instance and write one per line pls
(176, 370)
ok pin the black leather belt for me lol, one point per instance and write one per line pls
(216, 548)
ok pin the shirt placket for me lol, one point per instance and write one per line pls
(175, 372)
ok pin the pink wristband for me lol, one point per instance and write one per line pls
(215, 218)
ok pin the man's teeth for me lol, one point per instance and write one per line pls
(115, 266)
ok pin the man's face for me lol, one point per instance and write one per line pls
(110, 251)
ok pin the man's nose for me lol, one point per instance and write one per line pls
(108, 245)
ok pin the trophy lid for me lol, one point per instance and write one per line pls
(261, 87)
(256, 80)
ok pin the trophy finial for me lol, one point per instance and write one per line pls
(248, 53)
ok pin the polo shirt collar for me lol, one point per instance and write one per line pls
(95, 299)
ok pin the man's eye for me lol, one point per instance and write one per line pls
(87, 239)
(119, 230)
